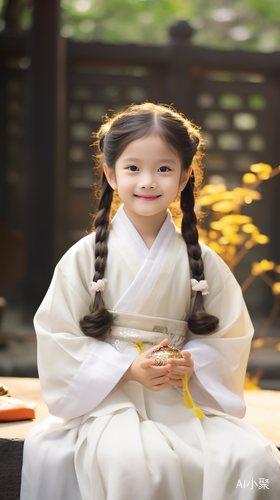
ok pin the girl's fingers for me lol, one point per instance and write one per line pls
(177, 365)
(186, 354)
(159, 387)
(180, 370)
(151, 365)
(164, 342)
(160, 380)
(149, 362)
(157, 376)
(180, 362)
(158, 383)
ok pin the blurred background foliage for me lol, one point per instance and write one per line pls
(219, 24)
(231, 234)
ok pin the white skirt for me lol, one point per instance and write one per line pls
(139, 444)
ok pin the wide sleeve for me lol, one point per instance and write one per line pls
(220, 359)
(76, 372)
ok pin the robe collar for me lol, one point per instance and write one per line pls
(151, 260)
(123, 227)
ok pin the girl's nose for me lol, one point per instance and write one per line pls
(147, 182)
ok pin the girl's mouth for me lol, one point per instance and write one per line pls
(147, 198)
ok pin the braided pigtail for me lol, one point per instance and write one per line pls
(99, 320)
(200, 322)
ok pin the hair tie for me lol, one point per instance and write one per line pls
(97, 286)
(200, 286)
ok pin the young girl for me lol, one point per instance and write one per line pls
(120, 429)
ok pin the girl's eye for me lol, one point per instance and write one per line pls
(164, 169)
(132, 168)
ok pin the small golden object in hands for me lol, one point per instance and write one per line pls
(163, 353)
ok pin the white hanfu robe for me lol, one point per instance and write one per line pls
(116, 440)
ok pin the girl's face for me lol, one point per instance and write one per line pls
(148, 176)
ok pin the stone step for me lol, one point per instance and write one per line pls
(13, 434)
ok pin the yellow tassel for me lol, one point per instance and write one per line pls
(139, 346)
(198, 412)
(188, 400)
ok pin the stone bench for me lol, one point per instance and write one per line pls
(13, 434)
(263, 410)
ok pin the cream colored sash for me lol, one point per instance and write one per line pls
(129, 328)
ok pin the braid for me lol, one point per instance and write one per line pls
(101, 227)
(99, 321)
(200, 322)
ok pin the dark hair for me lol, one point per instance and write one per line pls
(183, 138)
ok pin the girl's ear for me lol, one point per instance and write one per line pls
(110, 175)
(185, 178)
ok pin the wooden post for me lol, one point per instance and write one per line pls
(178, 82)
(46, 146)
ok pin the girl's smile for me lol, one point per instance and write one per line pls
(146, 198)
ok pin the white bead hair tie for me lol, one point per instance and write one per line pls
(97, 286)
(200, 286)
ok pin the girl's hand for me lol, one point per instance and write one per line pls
(177, 368)
(145, 371)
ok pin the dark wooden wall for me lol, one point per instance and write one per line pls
(50, 109)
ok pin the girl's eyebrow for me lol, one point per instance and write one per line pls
(166, 160)
(162, 160)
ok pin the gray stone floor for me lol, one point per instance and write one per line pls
(18, 349)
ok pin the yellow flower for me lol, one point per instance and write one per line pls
(213, 188)
(223, 240)
(224, 206)
(262, 239)
(250, 228)
(232, 219)
(260, 168)
(209, 199)
(213, 235)
(236, 239)
(276, 289)
(206, 200)
(244, 192)
(249, 178)
(235, 219)
(256, 269)
(267, 265)
(217, 225)
(230, 229)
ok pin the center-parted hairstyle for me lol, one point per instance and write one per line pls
(183, 138)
